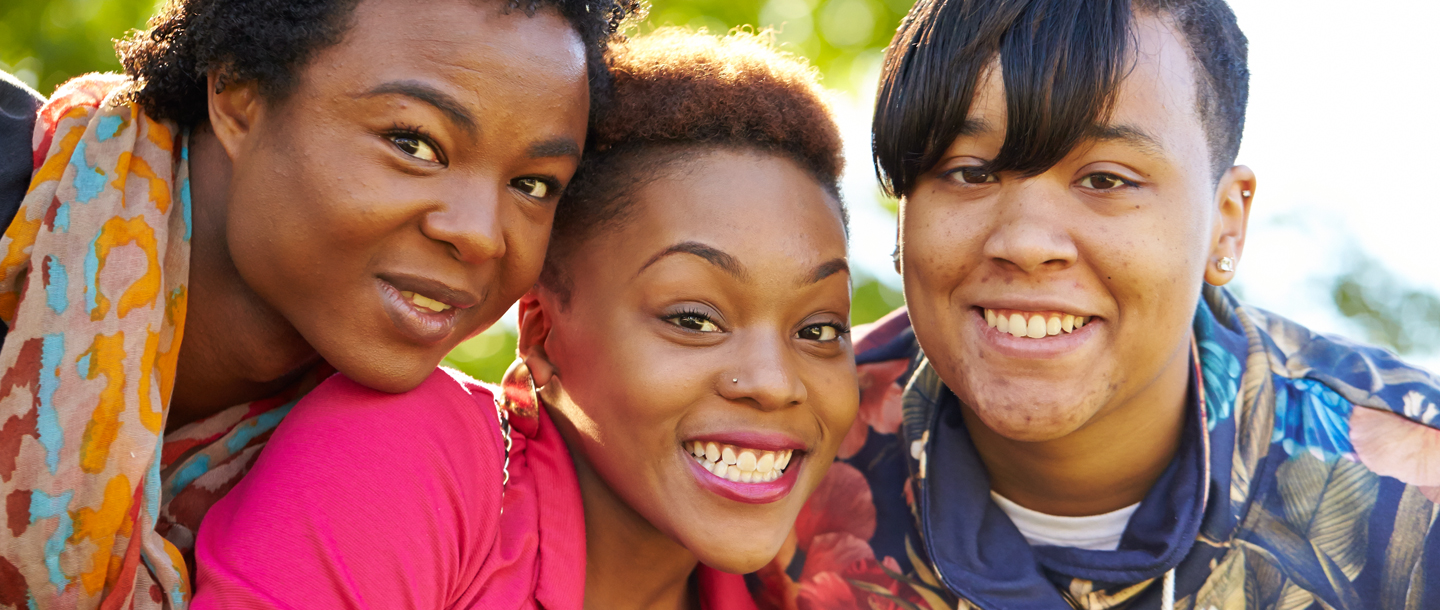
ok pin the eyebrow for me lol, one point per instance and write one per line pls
(444, 102)
(555, 147)
(829, 268)
(1126, 134)
(715, 257)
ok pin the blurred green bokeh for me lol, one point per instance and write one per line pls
(44, 42)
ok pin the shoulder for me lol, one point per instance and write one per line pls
(362, 495)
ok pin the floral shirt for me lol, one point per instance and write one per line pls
(1308, 476)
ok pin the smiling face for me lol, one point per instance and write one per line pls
(1051, 302)
(400, 198)
(716, 316)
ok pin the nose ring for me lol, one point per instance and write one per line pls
(734, 381)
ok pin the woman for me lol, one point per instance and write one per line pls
(1072, 412)
(350, 209)
(688, 345)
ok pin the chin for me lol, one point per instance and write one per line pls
(743, 558)
(386, 373)
(1032, 416)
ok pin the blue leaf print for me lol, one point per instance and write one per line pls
(1222, 380)
(1309, 416)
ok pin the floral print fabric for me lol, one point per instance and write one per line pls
(1312, 465)
(93, 287)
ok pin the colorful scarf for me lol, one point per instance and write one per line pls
(101, 505)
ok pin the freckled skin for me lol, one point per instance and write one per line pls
(302, 203)
(1087, 431)
(627, 386)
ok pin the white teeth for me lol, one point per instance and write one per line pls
(424, 301)
(1034, 326)
(766, 463)
(746, 462)
(739, 464)
(1018, 327)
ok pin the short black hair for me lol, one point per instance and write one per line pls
(268, 41)
(1062, 62)
(678, 95)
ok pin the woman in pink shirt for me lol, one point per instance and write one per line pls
(684, 381)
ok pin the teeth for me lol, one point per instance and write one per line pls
(766, 463)
(739, 464)
(1034, 326)
(424, 301)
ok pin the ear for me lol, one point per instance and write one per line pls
(534, 328)
(1232, 206)
(234, 110)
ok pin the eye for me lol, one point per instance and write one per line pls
(693, 321)
(415, 146)
(1104, 182)
(974, 175)
(820, 332)
(533, 187)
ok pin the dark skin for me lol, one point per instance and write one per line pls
(1122, 232)
(741, 330)
(391, 206)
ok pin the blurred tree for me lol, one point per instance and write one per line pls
(45, 42)
(1391, 313)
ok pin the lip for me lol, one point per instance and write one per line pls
(434, 289)
(1034, 349)
(752, 439)
(422, 326)
(748, 493)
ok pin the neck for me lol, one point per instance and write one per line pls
(628, 563)
(1109, 463)
(235, 348)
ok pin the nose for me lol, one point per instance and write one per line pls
(471, 223)
(1032, 231)
(766, 375)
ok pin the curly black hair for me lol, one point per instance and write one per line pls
(268, 41)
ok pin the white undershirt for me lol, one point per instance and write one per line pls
(1095, 532)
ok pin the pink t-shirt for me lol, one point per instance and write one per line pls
(364, 499)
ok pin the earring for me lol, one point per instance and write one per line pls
(1225, 264)
(1245, 194)
(517, 391)
(895, 257)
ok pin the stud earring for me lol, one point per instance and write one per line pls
(1245, 194)
(1225, 264)
(895, 257)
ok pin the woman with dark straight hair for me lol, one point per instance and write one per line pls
(1071, 411)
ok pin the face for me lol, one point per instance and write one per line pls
(703, 361)
(400, 199)
(1053, 302)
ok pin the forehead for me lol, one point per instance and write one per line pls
(1157, 97)
(470, 47)
(762, 209)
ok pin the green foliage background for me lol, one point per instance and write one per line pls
(45, 42)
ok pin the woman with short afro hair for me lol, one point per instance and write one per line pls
(684, 381)
(294, 188)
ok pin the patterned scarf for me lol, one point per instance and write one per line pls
(101, 505)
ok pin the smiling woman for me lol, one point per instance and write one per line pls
(689, 341)
(267, 186)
